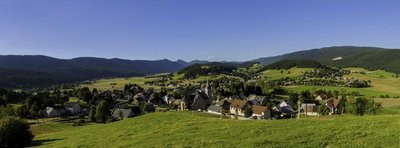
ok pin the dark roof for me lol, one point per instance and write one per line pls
(214, 108)
(125, 112)
(71, 104)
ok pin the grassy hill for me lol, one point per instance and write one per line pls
(383, 83)
(191, 129)
(274, 74)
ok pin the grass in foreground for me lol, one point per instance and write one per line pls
(189, 129)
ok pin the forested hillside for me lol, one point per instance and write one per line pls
(27, 71)
(371, 58)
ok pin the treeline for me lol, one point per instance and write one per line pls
(17, 78)
(287, 64)
(196, 70)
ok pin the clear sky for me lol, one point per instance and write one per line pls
(193, 29)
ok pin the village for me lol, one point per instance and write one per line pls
(129, 104)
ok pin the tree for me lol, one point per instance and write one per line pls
(3, 101)
(14, 132)
(85, 94)
(148, 108)
(323, 110)
(92, 114)
(102, 112)
(248, 112)
(361, 106)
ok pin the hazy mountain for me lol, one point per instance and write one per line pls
(41, 70)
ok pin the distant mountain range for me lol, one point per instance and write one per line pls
(28, 71)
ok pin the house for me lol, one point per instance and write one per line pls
(200, 102)
(224, 104)
(253, 99)
(261, 112)
(72, 108)
(257, 100)
(214, 109)
(51, 112)
(119, 113)
(309, 109)
(237, 107)
(139, 98)
(196, 101)
(168, 99)
(285, 107)
(333, 105)
(321, 97)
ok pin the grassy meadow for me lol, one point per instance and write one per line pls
(192, 129)
(278, 74)
(105, 84)
(383, 83)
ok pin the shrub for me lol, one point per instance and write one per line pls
(14, 132)
(248, 112)
(92, 114)
(361, 106)
(323, 110)
(102, 112)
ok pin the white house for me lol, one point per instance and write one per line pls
(168, 99)
(237, 107)
(72, 108)
(261, 112)
(51, 112)
(309, 109)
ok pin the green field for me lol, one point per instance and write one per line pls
(383, 83)
(105, 84)
(191, 129)
(278, 74)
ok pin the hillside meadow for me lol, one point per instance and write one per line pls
(383, 83)
(193, 129)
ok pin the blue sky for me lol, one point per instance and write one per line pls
(193, 29)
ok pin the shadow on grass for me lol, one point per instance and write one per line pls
(42, 142)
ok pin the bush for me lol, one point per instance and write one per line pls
(14, 132)
(361, 106)
(102, 112)
(248, 112)
(323, 110)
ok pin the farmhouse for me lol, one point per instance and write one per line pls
(168, 99)
(72, 108)
(309, 109)
(196, 101)
(332, 104)
(257, 100)
(224, 104)
(237, 107)
(139, 98)
(321, 97)
(286, 108)
(261, 112)
(51, 112)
